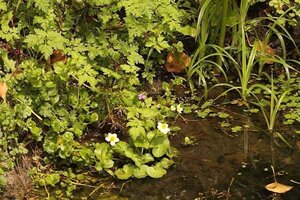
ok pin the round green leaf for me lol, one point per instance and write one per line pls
(94, 117)
(140, 172)
(156, 171)
(125, 172)
(3, 180)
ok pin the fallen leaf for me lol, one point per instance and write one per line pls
(278, 187)
(176, 62)
(3, 91)
(16, 72)
(57, 56)
(239, 102)
(266, 49)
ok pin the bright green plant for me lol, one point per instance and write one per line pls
(248, 61)
(290, 104)
(281, 6)
(240, 54)
(59, 102)
(211, 29)
(274, 106)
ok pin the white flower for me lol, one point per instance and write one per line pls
(112, 138)
(179, 109)
(163, 127)
(173, 108)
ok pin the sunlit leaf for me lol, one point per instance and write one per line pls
(177, 62)
(3, 180)
(140, 172)
(125, 172)
(52, 179)
(156, 171)
(3, 91)
(240, 102)
(265, 49)
(278, 187)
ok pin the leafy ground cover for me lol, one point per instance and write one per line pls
(72, 74)
(84, 92)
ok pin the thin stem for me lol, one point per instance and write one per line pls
(273, 173)
(223, 28)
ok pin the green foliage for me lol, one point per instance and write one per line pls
(236, 129)
(240, 54)
(10, 148)
(274, 105)
(291, 8)
(290, 104)
(73, 66)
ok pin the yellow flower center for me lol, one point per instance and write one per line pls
(163, 126)
(112, 138)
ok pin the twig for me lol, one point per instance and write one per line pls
(273, 173)
(183, 118)
(256, 144)
(295, 182)
(223, 130)
(85, 85)
(123, 185)
(97, 188)
(31, 110)
(48, 195)
(228, 190)
(82, 184)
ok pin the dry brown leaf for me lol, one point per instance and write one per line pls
(267, 50)
(16, 72)
(177, 62)
(278, 187)
(57, 56)
(239, 102)
(3, 91)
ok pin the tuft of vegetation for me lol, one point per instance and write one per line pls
(70, 73)
(75, 78)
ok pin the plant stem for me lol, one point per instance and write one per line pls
(223, 28)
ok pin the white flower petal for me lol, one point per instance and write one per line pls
(166, 130)
(112, 138)
(163, 127)
(112, 143)
(179, 109)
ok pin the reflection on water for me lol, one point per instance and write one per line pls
(217, 168)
